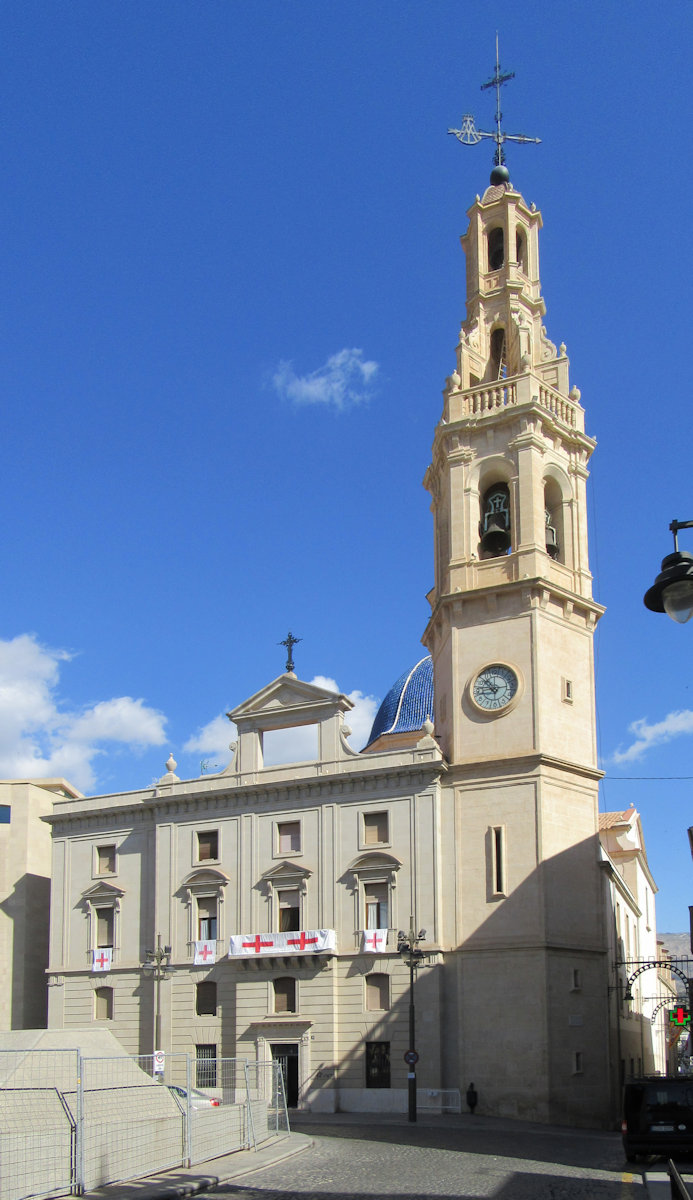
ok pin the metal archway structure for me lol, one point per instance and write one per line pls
(647, 966)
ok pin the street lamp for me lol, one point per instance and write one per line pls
(407, 946)
(157, 962)
(672, 590)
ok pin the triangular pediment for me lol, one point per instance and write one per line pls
(286, 870)
(286, 697)
(103, 891)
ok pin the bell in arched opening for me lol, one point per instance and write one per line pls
(552, 546)
(494, 528)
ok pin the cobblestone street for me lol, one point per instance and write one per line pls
(462, 1157)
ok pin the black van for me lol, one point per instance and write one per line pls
(658, 1116)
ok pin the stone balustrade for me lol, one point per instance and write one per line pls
(486, 399)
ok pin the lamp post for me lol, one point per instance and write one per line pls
(157, 962)
(407, 946)
(672, 590)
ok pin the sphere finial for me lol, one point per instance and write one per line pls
(500, 174)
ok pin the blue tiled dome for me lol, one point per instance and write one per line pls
(408, 703)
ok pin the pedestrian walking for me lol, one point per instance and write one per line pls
(472, 1098)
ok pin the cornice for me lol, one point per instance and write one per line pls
(300, 792)
(520, 764)
(539, 583)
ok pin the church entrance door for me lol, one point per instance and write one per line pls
(286, 1054)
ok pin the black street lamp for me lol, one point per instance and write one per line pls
(672, 590)
(407, 946)
(157, 962)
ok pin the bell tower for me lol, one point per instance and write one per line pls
(508, 487)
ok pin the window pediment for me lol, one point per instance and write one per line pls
(374, 860)
(103, 893)
(286, 873)
(209, 877)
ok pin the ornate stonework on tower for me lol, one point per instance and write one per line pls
(507, 483)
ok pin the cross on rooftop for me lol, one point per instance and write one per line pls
(290, 641)
(469, 135)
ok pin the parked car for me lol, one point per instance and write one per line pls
(658, 1117)
(197, 1099)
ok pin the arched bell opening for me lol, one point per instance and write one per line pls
(496, 248)
(495, 527)
(497, 360)
(521, 250)
(553, 521)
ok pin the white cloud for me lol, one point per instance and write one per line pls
(213, 738)
(297, 744)
(647, 736)
(344, 381)
(40, 738)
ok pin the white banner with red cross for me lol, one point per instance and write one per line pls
(205, 954)
(102, 959)
(374, 941)
(304, 941)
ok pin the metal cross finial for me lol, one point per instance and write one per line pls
(289, 641)
(469, 135)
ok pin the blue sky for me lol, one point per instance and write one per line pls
(231, 292)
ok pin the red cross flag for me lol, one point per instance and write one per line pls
(303, 941)
(205, 953)
(102, 959)
(374, 941)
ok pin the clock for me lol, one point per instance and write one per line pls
(494, 687)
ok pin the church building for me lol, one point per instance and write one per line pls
(279, 894)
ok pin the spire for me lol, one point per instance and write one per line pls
(469, 135)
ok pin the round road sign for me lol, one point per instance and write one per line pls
(411, 1057)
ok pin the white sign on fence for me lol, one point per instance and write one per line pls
(159, 1062)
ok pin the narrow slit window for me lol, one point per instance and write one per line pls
(498, 854)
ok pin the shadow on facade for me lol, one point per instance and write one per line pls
(522, 1007)
(27, 907)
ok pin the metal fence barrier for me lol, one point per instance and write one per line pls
(70, 1122)
(679, 1191)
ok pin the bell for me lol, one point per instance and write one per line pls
(495, 538)
(551, 541)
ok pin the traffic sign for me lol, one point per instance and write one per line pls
(411, 1057)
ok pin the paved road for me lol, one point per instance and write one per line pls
(465, 1158)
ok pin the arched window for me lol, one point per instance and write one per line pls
(494, 529)
(496, 249)
(498, 367)
(553, 521)
(521, 251)
(284, 994)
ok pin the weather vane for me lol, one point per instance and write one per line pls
(469, 135)
(290, 641)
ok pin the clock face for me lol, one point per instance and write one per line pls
(495, 687)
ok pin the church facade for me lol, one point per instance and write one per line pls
(471, 816)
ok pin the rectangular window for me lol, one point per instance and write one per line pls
(105, 860)
(207, 845)
(567, 690)
(284, 995)
(4, 814)
(375, 895)
(377, 992)
(289, 910)
(206, 998)
(103, 1004)
(498, 856)
(207, 918)
(377, 1064)
(577, 1062)
(289, 837)
(205, 1065)
(375, 828)
(577, 979)
(104, 928)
